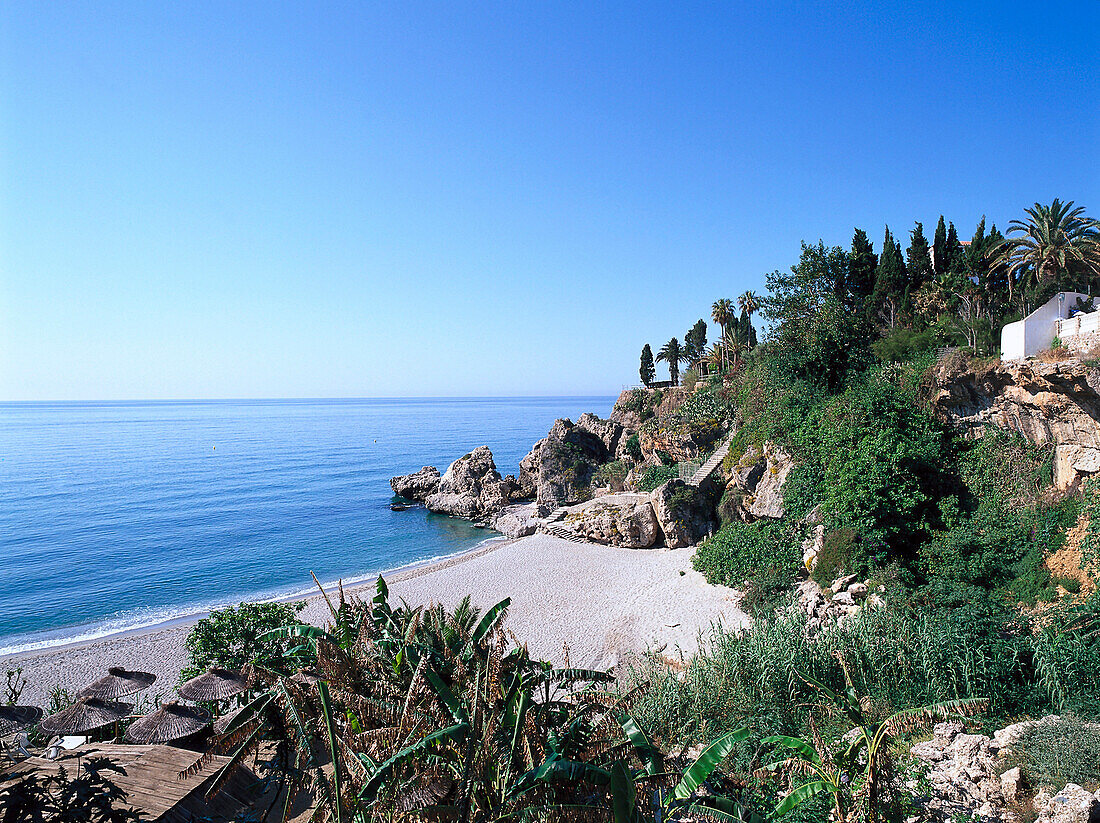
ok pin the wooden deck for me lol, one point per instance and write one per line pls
(152, 780)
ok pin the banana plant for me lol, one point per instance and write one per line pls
(854, 774)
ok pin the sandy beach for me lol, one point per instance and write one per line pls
(601, 600)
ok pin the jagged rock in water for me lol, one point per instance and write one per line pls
(759, 478)
(1055, 403)
(418, 485)
(471, 487)
(626, 520)
(558, 470)
(685, 513)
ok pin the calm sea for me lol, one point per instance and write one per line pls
(115, 516)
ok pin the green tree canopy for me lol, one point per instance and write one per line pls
(646, 370)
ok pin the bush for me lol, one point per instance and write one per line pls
(835, 556)
(689, 379)
(230, 637)
(904, 345)
(1052, 753)
(634, 448)
(761, 558)
(611, 475)
(654, 476)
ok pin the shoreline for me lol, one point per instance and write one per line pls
(588, 603)
(400, 573)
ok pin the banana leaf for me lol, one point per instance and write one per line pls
(707, 762)
(800, 795)
(651, 757)
(456, 732)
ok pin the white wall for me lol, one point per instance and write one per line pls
(1027, 337)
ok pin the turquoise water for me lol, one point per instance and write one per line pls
(115, 516)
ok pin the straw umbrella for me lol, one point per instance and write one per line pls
(172, 721)
(216, 684)
(14, 718)
(222, 723)
(85, 715)
(118, 682)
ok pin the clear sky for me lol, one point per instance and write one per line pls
(356, 199)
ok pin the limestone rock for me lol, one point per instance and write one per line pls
(471, 487)
(1073, 804)
(626, 520)
(759, 477)
(517, 520)
(558, 470)
(685, 513)
(1055, 403)
(418, 485)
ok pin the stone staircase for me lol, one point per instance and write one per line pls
(549, 526)
(712, 462)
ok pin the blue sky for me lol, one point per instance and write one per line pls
(314, 200)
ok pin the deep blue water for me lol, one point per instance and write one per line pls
(118, 515)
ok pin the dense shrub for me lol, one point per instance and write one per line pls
(761, 558)
(654, 476)
(634, 448)
(611, 475)
(231, 637)
(1054, 752)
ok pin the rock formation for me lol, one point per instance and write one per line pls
(969, 780)
(417, 486)
(685, 513)
(626, 520)
(758, 478)
(472, 487)
(1057, 403)
(558, 470)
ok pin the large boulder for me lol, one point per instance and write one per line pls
(558, 470)
(757, 481)
(517, 520)
(682, 440)
(1073, 804)
(685, 513)
(418, 485)
(625, 520)
(471, 487)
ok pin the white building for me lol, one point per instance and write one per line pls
(1059, 317)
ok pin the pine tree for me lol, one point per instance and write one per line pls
(939, 249)
(695, 342)
(861, 270)
(890, 280)
(918, 259)
(647, 371)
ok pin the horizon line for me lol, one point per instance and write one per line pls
(306, 399)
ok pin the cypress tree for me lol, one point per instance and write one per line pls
(939, 249)
(646, 371)
(890, 280)
(918, 259)
(953, 252)
(861, 269)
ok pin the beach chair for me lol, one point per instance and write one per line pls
(16, 749)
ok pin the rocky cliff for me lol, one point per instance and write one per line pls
(1047, 403)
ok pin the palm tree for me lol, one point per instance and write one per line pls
(722, 314)
(673, 354)
(1054, 240)
(749, 303)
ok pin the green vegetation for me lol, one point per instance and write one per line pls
(654, 476)
(1056, 752)
(90, 796)
(646, 370)
(232, 637)
(673, 354)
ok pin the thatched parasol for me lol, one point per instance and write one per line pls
(118, 682)
(14, 718)
(84, 715)
(216, 684)
(170, 722)
(222, 723)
